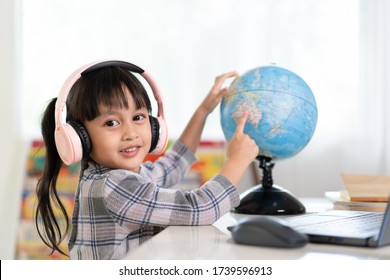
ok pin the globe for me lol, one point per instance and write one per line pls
(282, 119)
(282, 110)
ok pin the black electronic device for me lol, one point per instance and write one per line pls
(267, 231)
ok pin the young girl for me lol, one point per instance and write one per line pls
(120, 200)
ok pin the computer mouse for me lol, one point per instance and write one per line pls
(267, 231)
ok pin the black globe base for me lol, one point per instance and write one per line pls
(271, 201)
(268, 198)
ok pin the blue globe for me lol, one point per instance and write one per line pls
(282, 110)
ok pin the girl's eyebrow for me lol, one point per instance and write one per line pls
(106, 112)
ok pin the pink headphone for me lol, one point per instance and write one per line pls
(72, 140)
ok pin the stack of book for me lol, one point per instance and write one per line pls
(362, 193)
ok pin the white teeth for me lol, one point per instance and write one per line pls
(130, 150)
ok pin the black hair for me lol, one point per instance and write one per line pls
(104, 86)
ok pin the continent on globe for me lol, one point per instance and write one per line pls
(282, 110)
(248, 106)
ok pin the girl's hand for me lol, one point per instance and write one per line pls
(241, 152)
(241, 147)
(216, 93)
(193, 131)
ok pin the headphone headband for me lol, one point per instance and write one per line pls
(68, 142)
(67, 86)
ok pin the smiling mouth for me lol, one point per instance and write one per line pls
(129, 150)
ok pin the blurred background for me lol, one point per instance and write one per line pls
(340, 48)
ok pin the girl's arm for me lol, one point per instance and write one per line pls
(193, 131)
(242, 150)
(131, 200)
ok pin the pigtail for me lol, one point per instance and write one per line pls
(48, 199)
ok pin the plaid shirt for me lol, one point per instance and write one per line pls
(116, 210)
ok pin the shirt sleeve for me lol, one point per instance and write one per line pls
(131, 200)
(170, 169)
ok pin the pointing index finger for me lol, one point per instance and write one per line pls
(241, 122)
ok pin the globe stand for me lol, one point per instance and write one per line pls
(267, 198)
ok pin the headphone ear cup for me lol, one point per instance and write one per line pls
(68, 144)
(84, 137)
(155, 127)
(159, 135)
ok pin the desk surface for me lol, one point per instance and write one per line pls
(215, 242)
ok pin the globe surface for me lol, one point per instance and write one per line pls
(282, 110)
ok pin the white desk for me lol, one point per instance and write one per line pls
(215, 242)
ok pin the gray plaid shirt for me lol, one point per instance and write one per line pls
(116, 210)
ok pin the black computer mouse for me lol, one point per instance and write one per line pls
(267, 231)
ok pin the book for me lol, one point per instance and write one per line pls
(367, 188)
(342, 201)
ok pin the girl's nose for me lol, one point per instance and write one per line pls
(129, 133)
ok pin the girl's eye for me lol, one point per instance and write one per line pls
(111, 123)
(139, 118)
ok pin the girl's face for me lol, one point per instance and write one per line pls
(121, 138)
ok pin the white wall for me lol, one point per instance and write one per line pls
(12, 149)
(185, 44)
